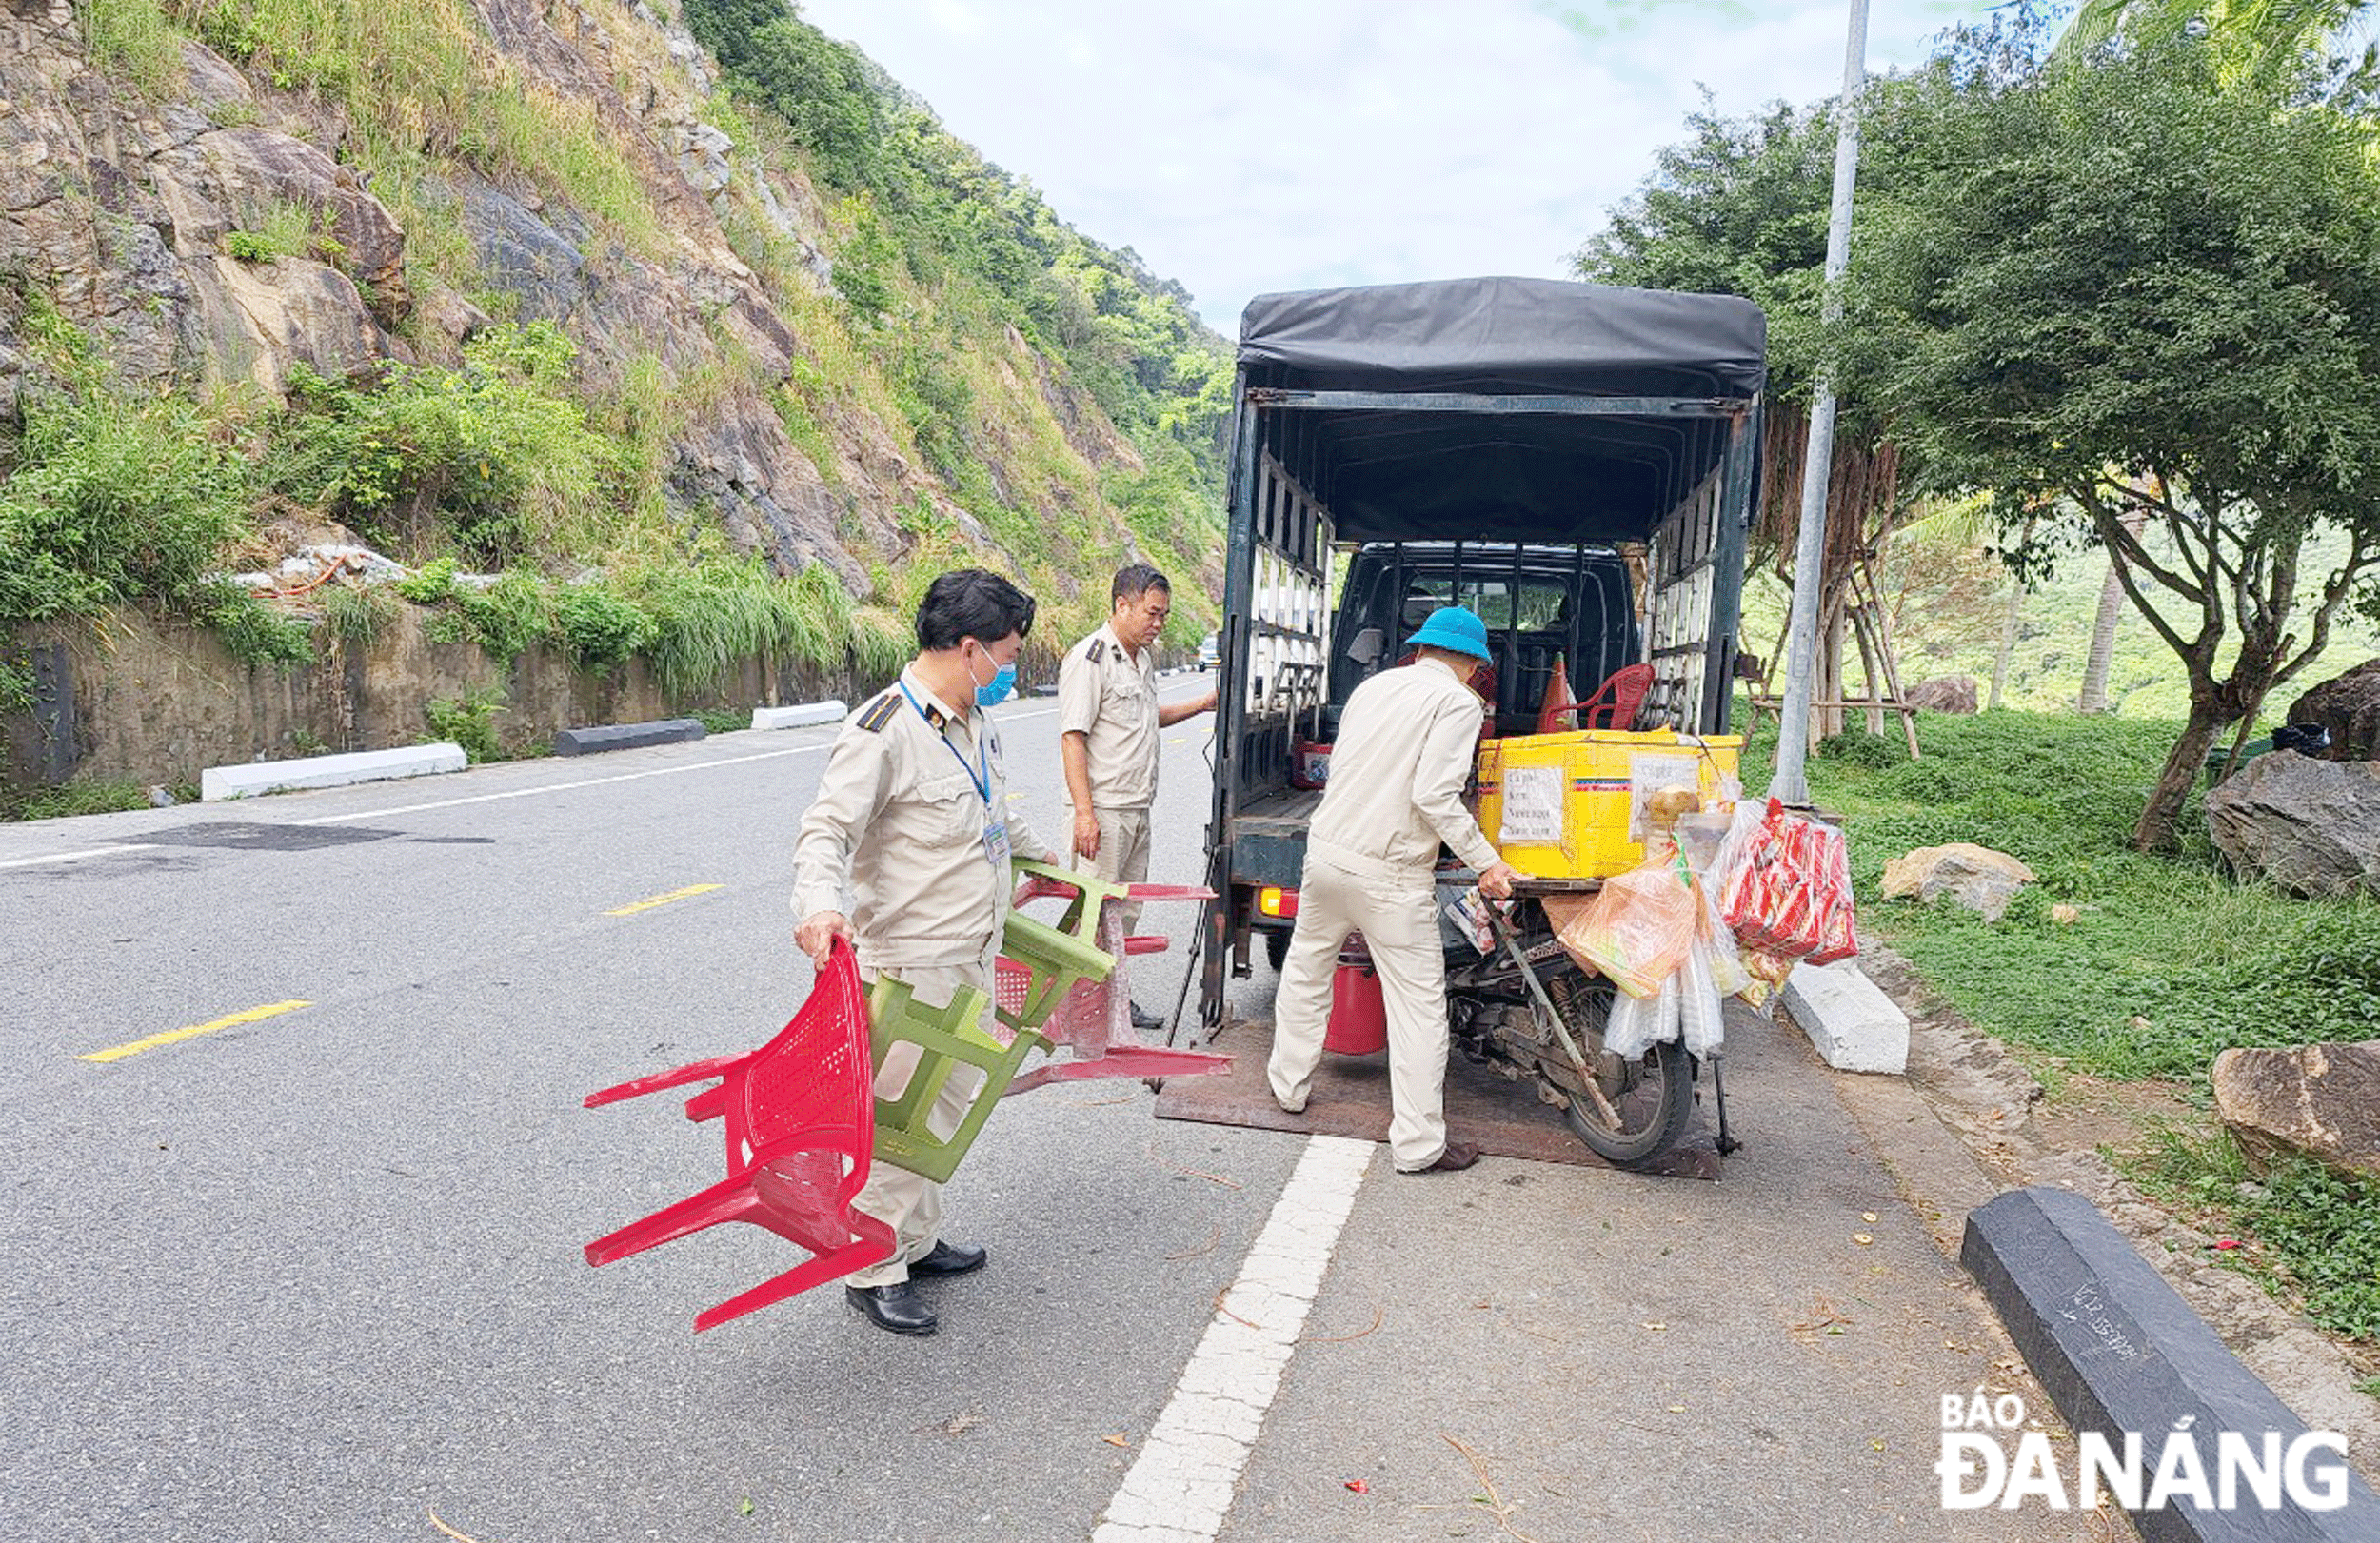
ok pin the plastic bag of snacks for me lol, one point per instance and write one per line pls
(1789, 894)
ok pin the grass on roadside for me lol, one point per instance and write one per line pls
(2167, 962)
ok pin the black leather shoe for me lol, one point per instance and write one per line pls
(895, 1307)
(949, 1259)
(1145, 1021)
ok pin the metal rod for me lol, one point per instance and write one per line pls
(1792, 783)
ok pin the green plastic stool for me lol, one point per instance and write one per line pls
(947, 1039)
(1040, 964)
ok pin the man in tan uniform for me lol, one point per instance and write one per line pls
(905, 852)
(1108, 720)
(1407, 739)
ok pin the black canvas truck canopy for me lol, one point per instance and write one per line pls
(1514, 466)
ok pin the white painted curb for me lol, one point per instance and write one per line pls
(257, 777)
(1851, 1023)
(802, 716)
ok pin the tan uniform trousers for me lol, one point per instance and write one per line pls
(1399, 924)
(1124, 854)
(910, 1204)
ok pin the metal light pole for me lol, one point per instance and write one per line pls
(1791, 782)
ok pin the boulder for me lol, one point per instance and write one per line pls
(2349, 706)
(1944, 694)
(2322, 1101)
(1975, 877)
(2311, 827)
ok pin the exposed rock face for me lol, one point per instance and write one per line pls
(2320, 1100)
(1975, 877)
(2349, 706)
(2311, 826)
(1945, 694)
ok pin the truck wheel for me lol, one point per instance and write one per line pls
(1276, 949)
(1650, 1098)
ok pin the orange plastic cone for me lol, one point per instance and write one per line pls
(1556, 714)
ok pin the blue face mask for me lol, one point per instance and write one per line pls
(999, 689)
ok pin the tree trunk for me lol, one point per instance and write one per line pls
(2007, 641)
(2159, 821)
(2093, 697)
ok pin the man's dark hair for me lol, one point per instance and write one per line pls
(1135, 581)
(971, 603)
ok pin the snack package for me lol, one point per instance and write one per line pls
(1787, 893)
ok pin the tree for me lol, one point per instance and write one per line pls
(2258, 43)
(2105, 285)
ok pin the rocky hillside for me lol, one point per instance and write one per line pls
(693, 323)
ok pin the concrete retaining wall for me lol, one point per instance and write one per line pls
(149, 699)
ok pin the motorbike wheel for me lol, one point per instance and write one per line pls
(1652, 1097)
(1276, 949)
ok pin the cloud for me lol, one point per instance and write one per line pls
(1243, 145)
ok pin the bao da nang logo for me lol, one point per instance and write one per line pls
(1990, 1459)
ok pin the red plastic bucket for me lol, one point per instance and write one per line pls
(1358, 1022)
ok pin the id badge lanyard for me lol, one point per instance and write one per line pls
(979, 778)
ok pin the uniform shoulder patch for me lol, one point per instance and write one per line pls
(1098, 651)
(878, 713)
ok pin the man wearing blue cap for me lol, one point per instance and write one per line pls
(1406, 743)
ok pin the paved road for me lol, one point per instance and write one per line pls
(316, 1276)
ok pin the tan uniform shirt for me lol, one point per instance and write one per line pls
(895, 838)
(1110, 698)
(1407, 742)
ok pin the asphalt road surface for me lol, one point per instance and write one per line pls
(312, 1273)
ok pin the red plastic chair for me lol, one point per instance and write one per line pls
(800, 1122)
(1614, 703)
(1094, 1021)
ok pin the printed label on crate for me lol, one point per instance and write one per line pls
(1533, 806)
(1649, 772)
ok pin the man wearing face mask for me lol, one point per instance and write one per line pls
(1108, 722)
(1407, 739)
(904, 853)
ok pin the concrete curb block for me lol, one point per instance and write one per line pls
(253, 777)
(2117, 1350)
(802, 716)
(1851, 1023)
(585, 742)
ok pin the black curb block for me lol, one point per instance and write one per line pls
(587, 741)
(2117, 1350)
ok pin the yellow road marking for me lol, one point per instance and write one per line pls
(663, 899)
(172, 1035)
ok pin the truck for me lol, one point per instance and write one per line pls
(1577, 464)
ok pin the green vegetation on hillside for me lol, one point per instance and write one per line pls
(965, 323)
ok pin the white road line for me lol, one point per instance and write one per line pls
(65, 856)
(132, 843)
(562, 787)
(1181, 1486)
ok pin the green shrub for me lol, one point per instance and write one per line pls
(256, 631)
(497, 455)
(468, 722)
(507, 616)
(602, 630)
(113, 496)
(359, 615)
(429, 583)
(73, 799)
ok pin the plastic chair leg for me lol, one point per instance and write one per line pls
(874, 1245)
(726, 1201)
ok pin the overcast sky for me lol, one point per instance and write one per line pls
(1248, 145)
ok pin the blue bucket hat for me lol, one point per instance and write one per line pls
(1453, 628)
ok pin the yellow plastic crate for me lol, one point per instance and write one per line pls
(1559, 805)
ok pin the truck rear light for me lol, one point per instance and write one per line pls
(1274, 900)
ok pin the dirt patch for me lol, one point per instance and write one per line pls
(2028, 1119)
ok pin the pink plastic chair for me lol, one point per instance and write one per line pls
(800, 1122)
(1094, 1023)
(1614, 703)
